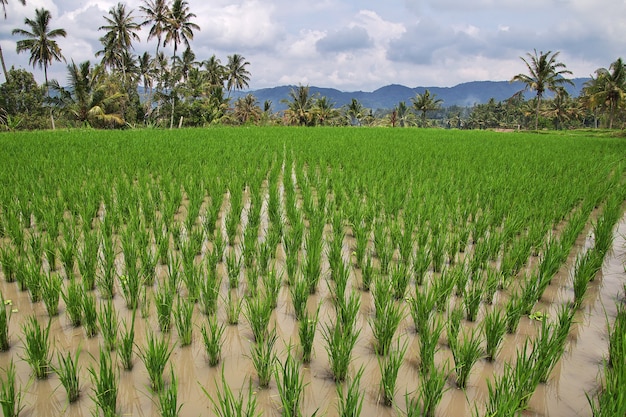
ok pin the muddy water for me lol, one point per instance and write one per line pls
(563, 394)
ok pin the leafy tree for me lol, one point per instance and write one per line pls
(22, 101)
(89, 98)
(403, 115)
(299, 106)
(561, 109)
(157, 13)
(607, 90)
(423, 103)
(544, 73)
(325, 110)
(237, 76)
(247, 109)
(40, 41)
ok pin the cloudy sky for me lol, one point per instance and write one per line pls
(361, 44)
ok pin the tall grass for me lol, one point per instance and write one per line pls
(183, 318)
(168, 397)
(51, 288)
(299, 296)
(164, 303)
(494, 328)
(90, 315)
(431, 390)
(350, 399)
(127, 343)
(306, 332)
(107, 319)
(389, 367)
(290, 383)
(73, 298)
(465, 354)
(225, 404)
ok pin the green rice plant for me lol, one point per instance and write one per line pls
(422, 305)
(73, 298)
(471, 301)
(164, 303)
(10, 393)
(306, 332)
(367, 273)
(168, 397)
(291, 265)
(341, 276)
(257, 312)
(21, 273)
(155, 355)
(347, 312)
(37, 347)
(225, 404)
(145, 303)
(384, 326)
(350, 402)
(248, 246)
(549, 345)
(265, 252)
(503, 395)
(442, 288)
(272, 282)
(68, 371)
(233, 268)
(465, 355)
(389, 367)
(437, 252)
(212, 335)
(162, 241)
(183, 318)
(454, 325)
(429, 342)
(210, 291)
(585, 270)
(290, 385)
(88, 261)
(617, 338)
(149, 262)
(361, 235)
(90, 315)
(492, 283)
(5, 318)
(513, 312)
(105, 382)
(67, 252)
(127, 343)
(50, 250)
(431, 390)
(51, 288)
(400, 279)
(299, 296)
(264, 358)
(8, 260)
(251, 276)
(421, 262)
(339, 345)
(107, 319)
(173, 272)
(311, 267)
(530, 294)
(234, 305)
(34, 277)
(131, 284)
(494, 327)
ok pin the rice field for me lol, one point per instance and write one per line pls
(288, 271)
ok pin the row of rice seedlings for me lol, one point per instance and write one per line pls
(127, 343)
(264, 358)
(306, 332)
(350, 399)
(290, 384)
(108, 323)
(5, 318)
(257, 312)
(68, 371)
(51, 288)
(341, 337)
(37, 347)
(387, 317)
(168, 397)
(465, 354)
(105, 381)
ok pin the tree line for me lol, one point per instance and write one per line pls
(121, 89)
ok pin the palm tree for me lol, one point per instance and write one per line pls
(121, 29)
(40, 41)
(325, 110)
(423, 103)
(403, 115)
(608, 89)
(4, 9)
(247, 109)
(299, 106)
(179, 27)
(544, 73)
(157, 12)
(237, 76)
(216, 72)
(354, 112)
(86, 97)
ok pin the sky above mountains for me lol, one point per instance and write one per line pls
(359, 44)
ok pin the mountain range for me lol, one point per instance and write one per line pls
(464, 95)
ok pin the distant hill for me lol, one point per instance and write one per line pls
(465, 94)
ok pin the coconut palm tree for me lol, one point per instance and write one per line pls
(355, 112)
(4, 9)
(325, 110)
(87, 97)
(544, 73)
(216, 72)
(247, 109)
(608, 89)
(299, 106)
(423, 103)
(156, 13)
(40, 41)
(121, 29)
(179, 27)
(237, 76)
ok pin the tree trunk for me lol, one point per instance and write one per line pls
(4, 67)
